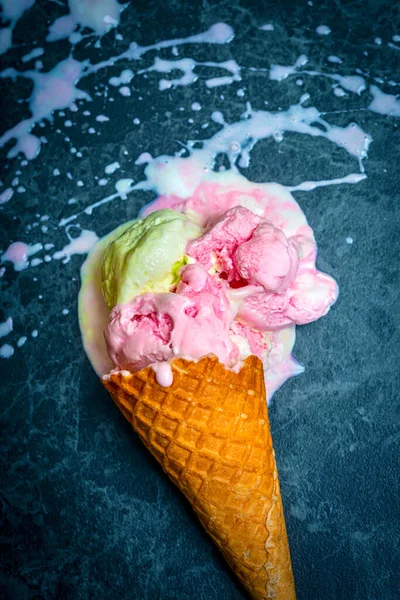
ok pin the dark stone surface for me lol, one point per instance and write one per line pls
(85, 510)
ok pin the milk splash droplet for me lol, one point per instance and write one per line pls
(6, 327)
(6, 351)
(323, 30)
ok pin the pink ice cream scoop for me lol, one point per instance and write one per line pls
(220, 243)
(279, 288)
(247, 250)
(268, 259)
(310, 296)
(192, 322)
(307, 299)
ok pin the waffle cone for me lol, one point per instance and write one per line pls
(210, 432)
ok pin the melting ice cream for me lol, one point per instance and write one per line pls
(231, 270)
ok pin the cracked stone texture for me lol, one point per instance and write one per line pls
(85, 510)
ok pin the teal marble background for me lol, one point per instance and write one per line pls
(85, 510)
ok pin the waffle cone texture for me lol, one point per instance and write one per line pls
(210, 432)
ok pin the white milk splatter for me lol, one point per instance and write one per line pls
(394, 47)
(57, 89)
(308, 186)
(279, 72)
(111, 168)
(12, 11)
(323, 30)
(35, 53)
(6, 327)
(6, 195)
(339, 92)
(125, 91)
(18, 253)
(187, 66)
(238, 139)
(79, 245)
(352, 83)
(267, 27)
(51, 91)
(124, 187)
(5, 39)
(35, 262)
(334, 59)
(100, 16)
(144, 158)
(384, 104)
(6, 351)
(125, 77)
(220, 33)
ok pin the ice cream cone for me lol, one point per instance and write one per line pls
(210, 432)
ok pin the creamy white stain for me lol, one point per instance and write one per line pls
(6, 327)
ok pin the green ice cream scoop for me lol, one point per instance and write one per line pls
(147, 257)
